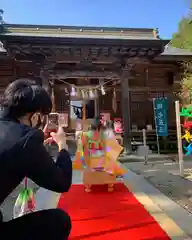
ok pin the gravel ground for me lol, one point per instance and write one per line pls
(164, 175)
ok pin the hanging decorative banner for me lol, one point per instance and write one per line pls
(73, 92)
(64, 119)
(86, 94)
(114, 101)
(160, 106)
(78, 125)
(91, 93)
(83, 93)
(104, 117)
(187, 123)
(186, 111)
(118, 125)
(78, 93)
(102, 90)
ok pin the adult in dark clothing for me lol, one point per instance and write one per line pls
(22, 154)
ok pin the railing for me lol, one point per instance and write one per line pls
(167, 144)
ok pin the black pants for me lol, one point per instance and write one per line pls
(47, 224)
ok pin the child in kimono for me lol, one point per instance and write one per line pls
(98, 150)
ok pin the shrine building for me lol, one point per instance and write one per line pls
(117, 72)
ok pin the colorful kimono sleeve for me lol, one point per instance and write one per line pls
(81, 155)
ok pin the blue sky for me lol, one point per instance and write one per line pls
(164, 14)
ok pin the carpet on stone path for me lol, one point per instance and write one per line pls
(101, 215)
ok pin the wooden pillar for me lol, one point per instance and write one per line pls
(53, 97)
(84, 115)
(126, 108)
(96, 106)
(45, 81)
(48, 86)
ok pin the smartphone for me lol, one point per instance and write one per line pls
(53, 122)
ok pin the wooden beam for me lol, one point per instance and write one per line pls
(85, 51)
(148, 89)
(53, 100)
(45, 81)
(63, 58)
(83, 74)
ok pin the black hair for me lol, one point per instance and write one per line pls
(24, 96)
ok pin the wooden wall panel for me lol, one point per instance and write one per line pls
(154, 82)
(61, 100)
(6, 72)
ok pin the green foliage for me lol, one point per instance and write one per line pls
(183, 39)
(186, 83)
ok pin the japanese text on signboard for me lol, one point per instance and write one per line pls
(160, 109)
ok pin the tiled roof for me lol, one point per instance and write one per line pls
(77, 32)
(92, 33)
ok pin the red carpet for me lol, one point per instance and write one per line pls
(108, 216)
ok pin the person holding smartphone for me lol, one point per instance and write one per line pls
(23, 154)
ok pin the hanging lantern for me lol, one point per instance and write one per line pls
(91, 94)
(73, 92)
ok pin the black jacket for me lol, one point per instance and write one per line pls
(22, 154)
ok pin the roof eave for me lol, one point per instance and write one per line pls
(176, 58)
(88, 40)
(56, 27)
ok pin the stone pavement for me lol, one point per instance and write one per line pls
(168, 214)
(164, 175)
(151, 157)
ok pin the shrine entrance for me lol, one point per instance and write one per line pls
(84, 101)
(82, 113)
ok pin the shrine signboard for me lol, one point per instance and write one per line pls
(78, 125)
(161, 117)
